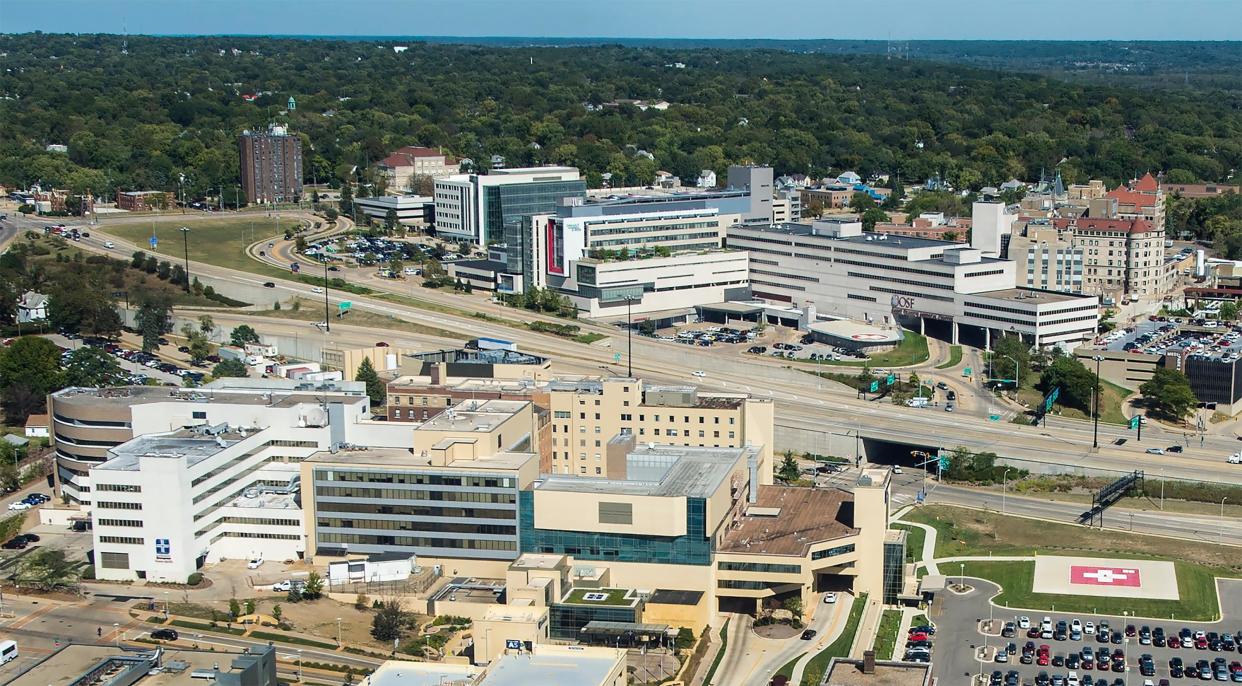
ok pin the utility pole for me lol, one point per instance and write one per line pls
(327, 321)
(1095, 395)
(185, 242)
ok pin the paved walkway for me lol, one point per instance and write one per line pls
(868, 625)
(907, 619)
(927, 556)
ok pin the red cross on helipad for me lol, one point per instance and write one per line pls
(1104, 576)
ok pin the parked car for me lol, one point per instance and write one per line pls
(254, 563)
(164, 634)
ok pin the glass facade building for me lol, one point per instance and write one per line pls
(565, 621)
(433, 512)
(694, 548)
(894, 561)
(503, 207)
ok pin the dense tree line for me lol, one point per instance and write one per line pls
(173, 106)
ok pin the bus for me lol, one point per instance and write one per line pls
(8, 651)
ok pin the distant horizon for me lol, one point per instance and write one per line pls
(449, 37)
(904, 20)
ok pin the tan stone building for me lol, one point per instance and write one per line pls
(1121, 257)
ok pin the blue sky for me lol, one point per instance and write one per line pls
(880, 19)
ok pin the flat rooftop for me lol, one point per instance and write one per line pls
(804, 516)
(849, 673)
(474, 415)
(470, 590)
(406, 458)
(567, 666)
(74, 660)
(277, 396)
(402, 673)
(468, 356)
(1031, 296)
(662, 470)
(182, 445)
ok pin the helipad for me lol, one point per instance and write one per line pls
(1109, 578)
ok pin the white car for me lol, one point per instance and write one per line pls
(1089, 628)
(830, 597)
(317, 289)
(897, 470)
(700, 373)
(20, 505)
(1076, 625)
(282, 586)
(1024, 622)
(109, 244)
(254, 563)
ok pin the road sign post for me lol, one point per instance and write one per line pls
(875, 386)
(967, 372)
(892, 379)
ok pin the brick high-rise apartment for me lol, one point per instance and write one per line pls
(271, 165)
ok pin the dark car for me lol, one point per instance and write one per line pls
(269, 284)
(164, 634)
(809, 634)
(1176, 667)
(17, 543)
(1010, 630)
(29, 538)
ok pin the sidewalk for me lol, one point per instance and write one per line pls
(867, 627)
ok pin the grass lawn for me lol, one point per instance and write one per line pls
(1112, 399)
(274, 636)
(1195, 584)
(969, 532)
(912, 350)
(818, 665)
(955, 358)
(615, 596)
(589, 338)
(886, 634)
(914, 541)
(309, 311)
(221, 242)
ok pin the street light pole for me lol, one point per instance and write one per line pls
(1095, 395)
(629, 339)
(327, 321)
(1004, 487)
(1220, 538)
(185, 243)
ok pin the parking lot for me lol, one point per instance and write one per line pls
(1128, 638)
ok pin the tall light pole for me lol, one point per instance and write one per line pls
(1220, 538)
(629, 338)
(185, 243)
(1095, 403)
(1004, 488)
(1017, 368)
(327, 322)
(338, 631)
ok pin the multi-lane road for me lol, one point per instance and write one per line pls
(803, 403)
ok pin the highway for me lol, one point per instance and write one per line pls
(803, 402)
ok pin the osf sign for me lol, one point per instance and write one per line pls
(903, 302)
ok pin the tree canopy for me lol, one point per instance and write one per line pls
(29, 370)
(174, 105)
(377, 391)
(92, 366)
(1168, 394)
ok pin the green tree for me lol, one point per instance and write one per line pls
(794, 605)
(1011, 358)
(80, 303)
(347, 199)
(48, 569)
(10, 478)
(1228, 311)
(234, 609)
(277, 611)
(861, 202)
(788, 471)
(243, 334)
(376, 390)
(249, 606)
(152, 321)
(390, 221)
(230, 368)
(29, 370)
(388, 622)
(197, 342)
(1168, 394)
(873, 216)
(1077, 383)
(93, 367)
(685, 638)
(313, 589)
(206, 324)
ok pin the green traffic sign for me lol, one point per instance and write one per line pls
(944, 462)
(875, 386)
(616, 357)
(1134, 422)
(892, 379)
(967, 371)
(345, 305)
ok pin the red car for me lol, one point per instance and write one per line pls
(918, 637)
(1173, 642)
(1201, 643)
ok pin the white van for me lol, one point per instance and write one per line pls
(8, 651)
(1235, 458)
